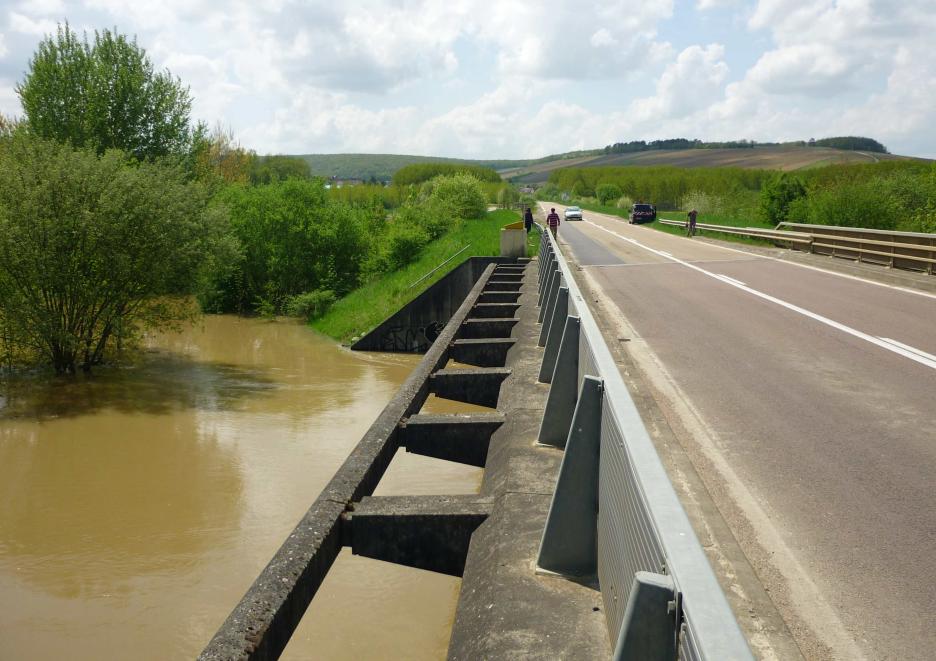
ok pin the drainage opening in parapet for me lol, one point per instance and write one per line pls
(441, 406)
(368, 609)
(436, 476)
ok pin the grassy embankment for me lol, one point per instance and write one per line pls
(367, 306)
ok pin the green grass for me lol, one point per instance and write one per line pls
(367, 306)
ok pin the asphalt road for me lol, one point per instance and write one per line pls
(815, 397)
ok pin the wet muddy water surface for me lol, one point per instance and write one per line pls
(138, 505)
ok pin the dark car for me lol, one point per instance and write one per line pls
(642, 213)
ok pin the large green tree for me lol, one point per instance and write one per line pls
(94, 249)
(104, 95)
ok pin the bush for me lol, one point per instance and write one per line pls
(855, 204)
(458, 195)
(704, 203)
(607, 192)
(777, 194)
(403, 246)
(548, 192)
(624, 202)
(310, 305)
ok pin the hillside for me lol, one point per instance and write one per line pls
(779, 157)
(383, 166)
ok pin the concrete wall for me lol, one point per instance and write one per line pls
(418, 323)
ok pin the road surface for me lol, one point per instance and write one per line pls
(812, 403)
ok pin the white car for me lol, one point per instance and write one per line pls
(573, 213)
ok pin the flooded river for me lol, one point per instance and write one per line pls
(137, 506)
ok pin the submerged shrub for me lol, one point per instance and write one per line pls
(310, 305)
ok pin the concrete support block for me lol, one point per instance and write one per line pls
(461, 438)
(569, 543)
(649, 629)
(499, 297)
(563, 393)
(556, 319)
(485, 328)
(482, 352)
(479, 386)
(426, 532)
(494, 310)
(547, 310)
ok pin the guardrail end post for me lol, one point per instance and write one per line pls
(563, 393)
(559, 311)
(649, 630)
(569, 545)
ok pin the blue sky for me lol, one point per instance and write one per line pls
(505, 79)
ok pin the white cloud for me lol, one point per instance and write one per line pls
(471, 78)
(26, 25)
(703, 5)
(687, 86)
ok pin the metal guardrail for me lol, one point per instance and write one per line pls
(911, 251)
(615, 513)
(915, 251)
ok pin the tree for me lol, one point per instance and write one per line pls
(95, 249)
(607, 193)
(777, 195)
(105, 95)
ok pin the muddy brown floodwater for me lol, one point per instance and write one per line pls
(137, 506)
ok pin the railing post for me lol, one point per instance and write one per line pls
(551, 333)
(558, 310)
(549, 295)
(563, 392)
(549, 267)
(649, 629)
(552, 295)
(569, 545)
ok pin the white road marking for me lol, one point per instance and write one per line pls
(903, 350)
(729, 279)
(905, 290)
(662, 252)
(918, 352)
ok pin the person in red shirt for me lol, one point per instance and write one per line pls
(553, 221)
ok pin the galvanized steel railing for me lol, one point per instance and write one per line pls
(615, 515)
(911, 251)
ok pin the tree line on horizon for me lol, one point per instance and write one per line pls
(852, 143)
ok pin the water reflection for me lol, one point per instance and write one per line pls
(137, 506)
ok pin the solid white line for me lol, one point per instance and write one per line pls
(918, 352)
(895, 348)
(729, 279)
(905, 290)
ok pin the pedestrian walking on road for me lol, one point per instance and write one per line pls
(690, 226)
(528, 220)
(553, 221)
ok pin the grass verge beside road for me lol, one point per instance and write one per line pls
(367, 306)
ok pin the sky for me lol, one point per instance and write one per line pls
(510, 79)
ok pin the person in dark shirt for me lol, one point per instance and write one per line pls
(528, 220)
(690, 226)
(553, 221)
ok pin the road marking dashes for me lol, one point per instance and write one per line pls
(916, 355)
